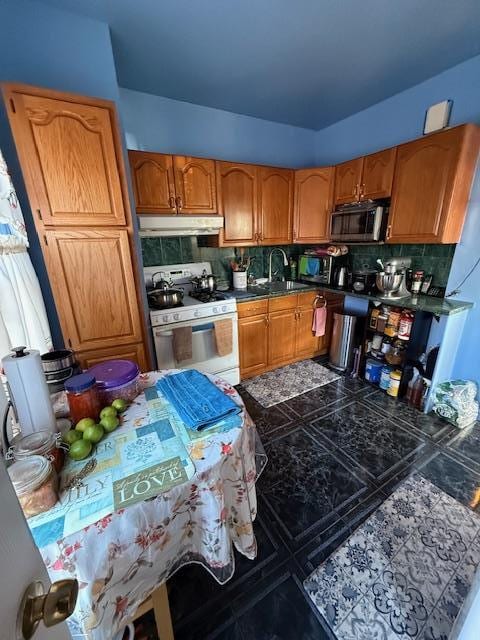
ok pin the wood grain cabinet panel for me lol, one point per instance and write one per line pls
(313, 205)
(134, 352)
(253, 341)
(92, 281)
(237, 203)
(195, 185)
(377, 174)
(281, 337)
(348, 177)
(153, 182)
(432, 181)
(306, 343)
(71, 157)
(275, 205)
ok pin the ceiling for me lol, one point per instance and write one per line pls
(303, 62)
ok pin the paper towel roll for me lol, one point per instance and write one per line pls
(29, 391)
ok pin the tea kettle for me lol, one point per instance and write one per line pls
(341, 277)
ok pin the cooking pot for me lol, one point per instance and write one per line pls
(206, 283)
(164, 298)
(55, 361)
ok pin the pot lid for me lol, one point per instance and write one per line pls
(114, 373)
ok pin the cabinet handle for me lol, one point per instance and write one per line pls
(39, 214)
(267, 322)
(171, 202)
(294, 234)
(362, 190)
(389, 230)
(179, 201)
(355, 190)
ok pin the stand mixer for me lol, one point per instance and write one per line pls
(391, 281)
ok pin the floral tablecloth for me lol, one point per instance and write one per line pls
(119, 560)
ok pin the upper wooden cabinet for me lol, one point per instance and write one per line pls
(82, 139)
(275, 205)
(153, 182)
(195, 185)
(377, 175)
(94, 312)
(433, 176)
(313, 204)
(173, 184)
(365, 178)
(237, 203)
(348, 177)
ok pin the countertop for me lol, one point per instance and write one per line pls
(437, 306)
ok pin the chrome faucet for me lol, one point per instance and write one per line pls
(285, 261)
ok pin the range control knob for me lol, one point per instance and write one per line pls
(196, 314)
(215, 309)
(224, 308)
(165, 318)
(176, 316)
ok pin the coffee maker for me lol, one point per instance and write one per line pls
(392, 280)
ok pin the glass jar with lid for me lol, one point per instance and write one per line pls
(36, 485)
(41, 443)
(82, 396)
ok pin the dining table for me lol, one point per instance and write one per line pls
(121, 530)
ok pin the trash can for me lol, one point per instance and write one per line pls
(341, 345)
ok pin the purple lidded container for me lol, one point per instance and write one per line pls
(117, 379)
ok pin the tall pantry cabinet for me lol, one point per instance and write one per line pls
(71, 157)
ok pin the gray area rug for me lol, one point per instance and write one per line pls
(405, 572)
(287, 382)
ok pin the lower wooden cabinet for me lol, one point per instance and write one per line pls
(276, 332)
(135, 352)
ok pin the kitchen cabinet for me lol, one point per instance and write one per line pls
(377, 175)
(94, 312)
(348, 176)
(166, 184)
(365, 178)
(72, 162)
(53, 131)
(278, 331)
(134, 352)
(237, 203)
(432, 181)
(313, 205)
(275, 205)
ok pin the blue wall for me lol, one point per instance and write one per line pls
(401, 117)
(46, 47)
(153, 123)
(398, 119)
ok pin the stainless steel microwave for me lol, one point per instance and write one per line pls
(363, 222)
(317, 269)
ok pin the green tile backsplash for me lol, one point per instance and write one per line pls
(432, 258)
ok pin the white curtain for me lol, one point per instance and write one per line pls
(23, 320)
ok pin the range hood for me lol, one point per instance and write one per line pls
(154, 226)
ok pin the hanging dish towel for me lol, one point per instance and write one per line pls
(198, 402)
(223, 336)
(182, 343)
(319, 321)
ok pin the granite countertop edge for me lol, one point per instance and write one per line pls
(437, 306)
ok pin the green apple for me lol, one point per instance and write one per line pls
(72, 436)
(80, 449)
(110, 423)
(84, 423)
(120, 404)
(108, 411)
(93, 433)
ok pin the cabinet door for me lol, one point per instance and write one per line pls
(348, 177)
(253, 340)
(425, 174)
(281, 336)
(378, 174)
(135, 352)
(195, 185)
(71, 157)
(237, 203)
(324, 341)
(92, 280)
(306, 344)
(153, 182)
(313, 204)
(275, 205)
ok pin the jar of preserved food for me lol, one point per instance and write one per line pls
(117, 379)
(382, 322)
(82, 396)
(374, 318)
(395, 377)
(393, 321)
(40, 443)
(405, 326)
(396, 355)
(36, 485)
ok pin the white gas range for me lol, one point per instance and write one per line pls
(200, 315)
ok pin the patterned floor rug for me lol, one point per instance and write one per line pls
(287, 382)
(405, 572)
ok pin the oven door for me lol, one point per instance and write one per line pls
(204, 352)
(361, 225)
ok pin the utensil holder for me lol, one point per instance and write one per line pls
(239, 279)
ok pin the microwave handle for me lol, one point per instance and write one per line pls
(377, 225)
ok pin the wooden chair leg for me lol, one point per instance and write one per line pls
(161, 610)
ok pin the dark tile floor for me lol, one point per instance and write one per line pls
(335, 454)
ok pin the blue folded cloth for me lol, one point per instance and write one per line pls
(198, 402)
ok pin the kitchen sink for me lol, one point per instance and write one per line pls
(286, 285)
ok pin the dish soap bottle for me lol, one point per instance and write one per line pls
(293, 269)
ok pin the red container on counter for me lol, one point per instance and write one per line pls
(83, 398)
